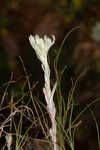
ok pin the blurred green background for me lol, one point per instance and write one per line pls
(81, 51)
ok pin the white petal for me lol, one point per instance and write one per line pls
(41, 45)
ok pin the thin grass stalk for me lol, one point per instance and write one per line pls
(97, 127)
(31, 95)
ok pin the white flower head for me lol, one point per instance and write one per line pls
(96, 32)
(41, 46)
(9, 139)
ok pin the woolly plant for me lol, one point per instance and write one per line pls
(41, 47)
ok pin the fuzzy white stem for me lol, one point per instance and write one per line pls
(50, 103)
